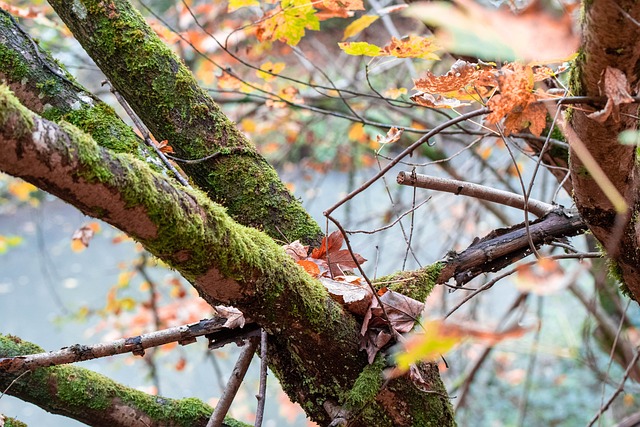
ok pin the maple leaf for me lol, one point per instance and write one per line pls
(534, 117)
(335, 257)
(288, 22)
(412, 46)
(359, 25)
(515, 82)
(360, 49)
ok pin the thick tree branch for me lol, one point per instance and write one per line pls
(95, 399)
(609, 40)
(316, 343)
(165, 95)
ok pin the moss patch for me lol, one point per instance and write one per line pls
(414, 284)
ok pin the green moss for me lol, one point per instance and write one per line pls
(93, 167)
(12, 422)
(49, 87)
(12, 63)
(102, 123)
(414, 284)
(13, 113)
(367, 386)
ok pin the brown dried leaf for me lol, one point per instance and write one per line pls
(402, 310)
(534, 117)
(392, 136)
(296, 250)
(348, 292)
(616, 89)
(84, 234)
(235, 318)
(436, 101)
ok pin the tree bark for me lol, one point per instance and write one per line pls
(609, 40)
(315, 345)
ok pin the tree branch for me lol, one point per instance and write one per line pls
(185, 334)
(95, 399)
(477, 191)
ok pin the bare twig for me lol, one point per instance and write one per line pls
(478, 191)
(424, 139)
(244, 360)
(262, 393)
(185, 334)
(618, 390)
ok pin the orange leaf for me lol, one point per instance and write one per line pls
(343, 4)
(412, 47)
(310, 267)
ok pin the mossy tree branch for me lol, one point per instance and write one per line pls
(166, 96)
(315, 345)
(95, 399)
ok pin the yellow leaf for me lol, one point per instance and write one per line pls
(428, 345)
(127, 303)
(357, 133)
(124, 278)
(7, 242)
(239, 4)
(360, 48)
(22, 190)
(268, 68)
(395, 92)
(77, 245)
(413, 47)
(359, 25)
(248, 125)
(288, 22)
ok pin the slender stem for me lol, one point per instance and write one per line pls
(244, 360)
(262, 393)
(478, 191)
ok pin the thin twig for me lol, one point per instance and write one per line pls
(618, 390)
(478, 191)
(422, 140)
(244, 360)
(262, 393)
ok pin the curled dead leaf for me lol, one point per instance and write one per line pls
(235, 318)
(348, 291)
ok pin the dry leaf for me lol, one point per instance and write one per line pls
(310, 267)
(83, 235)
(392, 136)
(616, 89)
(348, 292)
(542, 278)
(296, 250)
(235, 318)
